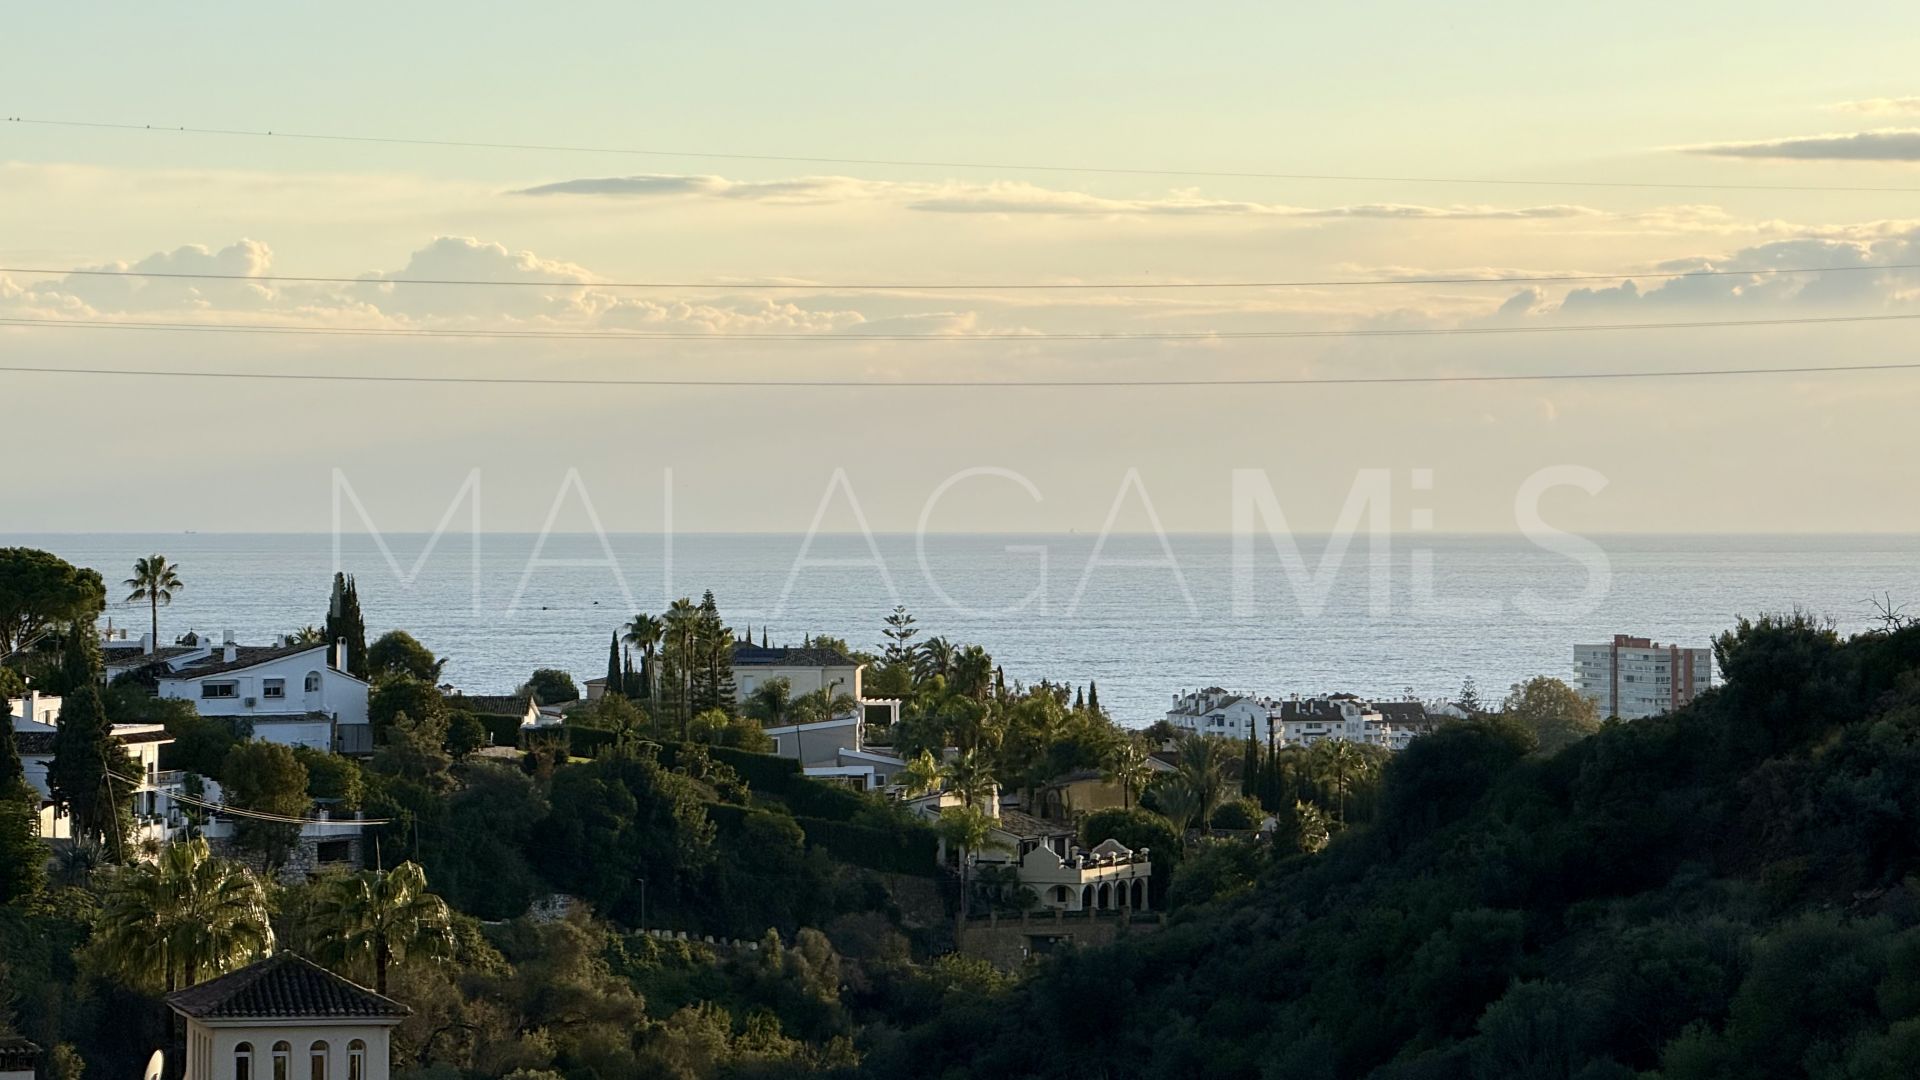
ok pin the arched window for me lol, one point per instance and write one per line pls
(1139, 893)
(283, 1060)
(1086, 898)
(243, 1061)
(317, 1061)
(356, 1060)
(1105, 902)
(313, 682)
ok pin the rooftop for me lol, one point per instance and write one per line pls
(245, 656)
(746, 654)
(283, 986)
(17, 1054)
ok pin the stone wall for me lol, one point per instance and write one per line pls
(1008, 943)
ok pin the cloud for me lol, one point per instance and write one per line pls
(1880, 106)
(1010, 198)
(1891, 286)
(1886, 144)
(804, 190)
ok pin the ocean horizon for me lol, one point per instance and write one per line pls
(1428, 612)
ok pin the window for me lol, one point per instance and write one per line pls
(317, 1060)
(219, 689)
(273, 688)
(356, 1060)
(243, 1061)
(313, 682)
(283, 1061)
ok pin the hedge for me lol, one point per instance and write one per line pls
(905, 850)
(503, 730)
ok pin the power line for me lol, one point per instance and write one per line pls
(910, 286)
(994, 336)
(958, 384)
(1221, 174)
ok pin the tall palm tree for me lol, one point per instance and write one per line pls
(680, 633)
(969, 776)
(373, 919)
(182, 919)
(968, 830)
(1202, 767)
(1127, 765)
(935, 657)
(973, 673)
(154, 580)
(307, 635)
(643, 632)
(1341, 766)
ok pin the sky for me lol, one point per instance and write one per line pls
(1738, 109)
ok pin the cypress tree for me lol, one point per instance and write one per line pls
(345, 624)
(1079, 701)
(616, 685)
(1250, 767)
(1093, 697)
(86, 758)
(763, 636)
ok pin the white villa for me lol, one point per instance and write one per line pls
(291, 694)
(284, 1017)
(1049, 860)
(1214, 711)
(33, 720)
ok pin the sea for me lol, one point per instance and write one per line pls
(1145, 617)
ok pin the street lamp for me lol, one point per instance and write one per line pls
(643, 902)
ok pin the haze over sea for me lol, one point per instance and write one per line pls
(1132, 628)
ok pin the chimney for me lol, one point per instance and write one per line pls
(146, 644)
(229, 652)
(340, 654)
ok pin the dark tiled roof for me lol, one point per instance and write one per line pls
(134, 658)
(491, 704)
(128, 738)
(17, 1054)
(1027, 827)
(34, 742)
(1402, 712)
(245, 656)
(746, 655)
(1310, 709)
(283, 986)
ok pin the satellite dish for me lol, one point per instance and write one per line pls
(154, 1065)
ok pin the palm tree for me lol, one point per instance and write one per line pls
(680, 632)
(1127, 765)
(818, 705)
(643, 632)
(969, 776)
(373, 919)
(973, 672)
(307, 635)
(922, 774)
(770, 702)
(1179, 803)
(183, 918)
(154, 580)
(1340, 766)
(936, 657)
(967, 830)
(1202, 767)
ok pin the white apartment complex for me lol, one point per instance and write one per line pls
(1348, 718)
(1635, 677)
(1214, 711)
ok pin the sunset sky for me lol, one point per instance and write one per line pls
(1582, 95)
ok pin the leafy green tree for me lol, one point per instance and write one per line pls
(922, 774)
(154, 580)
(181, 919)
(331, 778)
(345, 625)
(40, 591)
(398, 694)
(623, 816)
(551, 686)
(23, 855)
(1237, 815)
(200, 743)
(397, 652)
(1217, 871)
(416, 752)
(465, 734)
(372, 920)
(265, 778)
(1557, 714)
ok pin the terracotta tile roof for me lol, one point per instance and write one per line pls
(1027, 827)
(284, 986)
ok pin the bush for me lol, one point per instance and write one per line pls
(1239, 815)
(894, 851)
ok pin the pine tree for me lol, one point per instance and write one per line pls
(616, 683)
(23, 858)
(344, 624)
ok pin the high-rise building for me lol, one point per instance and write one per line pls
(1634, 677)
